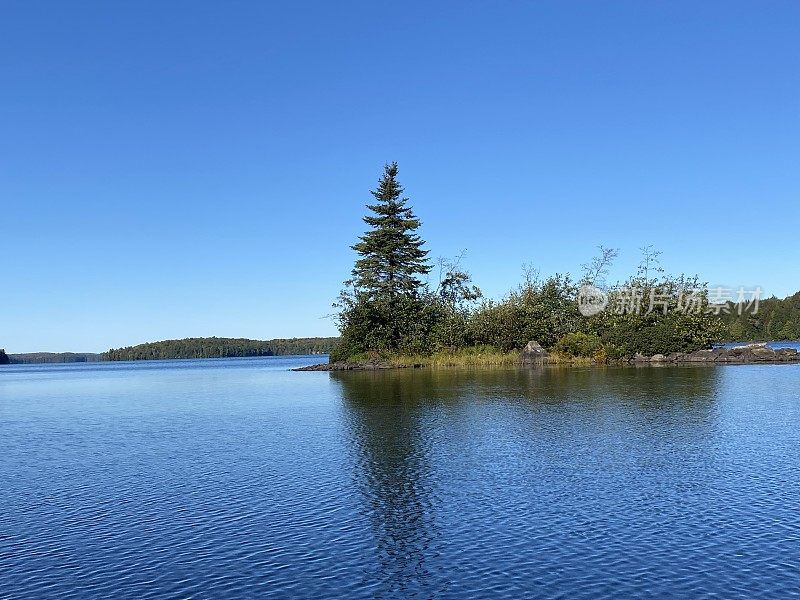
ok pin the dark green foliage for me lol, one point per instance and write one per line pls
(373, 326)
(775, 320)
(221, 348)
(384, 306)
(663, 334)
(657, 331)
(4, 360)
(55, 357)
(452, 304)
(391, 254)
(579, 344)
(541, 311)
(613, 352)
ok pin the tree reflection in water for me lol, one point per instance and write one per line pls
(439, 455)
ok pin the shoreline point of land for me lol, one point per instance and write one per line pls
(740, 355)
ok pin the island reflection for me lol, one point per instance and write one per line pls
(416, 433)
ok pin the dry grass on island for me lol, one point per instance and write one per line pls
(534, 354)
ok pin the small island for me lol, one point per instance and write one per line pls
(399, 309)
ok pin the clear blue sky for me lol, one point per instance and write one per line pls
(174, 169)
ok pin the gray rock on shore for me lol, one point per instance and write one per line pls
(533, 353)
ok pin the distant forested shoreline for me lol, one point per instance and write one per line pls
(776, 321)
(214, 347)
(31, 358)
(211, 347)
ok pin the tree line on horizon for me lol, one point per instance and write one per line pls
(30, 358)
(392, 305)
(179, 349)
(214, 347)
(776, 320)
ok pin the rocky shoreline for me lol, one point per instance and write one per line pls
(740, 355)
(534, 354)
(360, 366)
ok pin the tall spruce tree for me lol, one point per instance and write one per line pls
(383, 306)
(391, 253)
(4, 360)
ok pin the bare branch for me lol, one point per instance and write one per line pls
(595, 271)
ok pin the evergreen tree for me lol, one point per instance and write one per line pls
(4, 360)
(384, 305)
(391, 253)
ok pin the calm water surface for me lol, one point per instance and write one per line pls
(238, 478)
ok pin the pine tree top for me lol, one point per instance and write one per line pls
(392, 258)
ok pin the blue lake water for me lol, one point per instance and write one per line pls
(238, 478)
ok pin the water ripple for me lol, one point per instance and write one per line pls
(253, 482)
